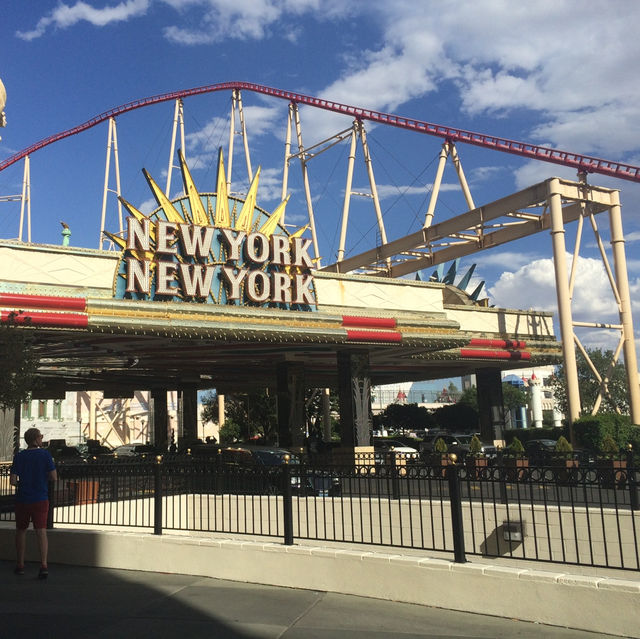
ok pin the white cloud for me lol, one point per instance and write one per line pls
(533, 286)
(64, 16)
(244, 19)
(503, 259)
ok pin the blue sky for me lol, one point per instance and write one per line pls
(557, 73)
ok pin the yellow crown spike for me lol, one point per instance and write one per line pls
(171, 213)
(223, 219)
(245, 219)
(299, 232)
(269, 227)
(139, 216)
(197, 209)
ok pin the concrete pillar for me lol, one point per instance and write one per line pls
(354, 395)
(189, 402)
(490, 403)
(158, 429)
(290, 401)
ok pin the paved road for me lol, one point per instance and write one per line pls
(77, 602)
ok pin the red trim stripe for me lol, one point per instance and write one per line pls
(369, 322)
(486, 354)
(373, 336)
(47, 320)
(498, 343)
(43, 301)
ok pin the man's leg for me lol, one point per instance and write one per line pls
(40, 524)
(21, 535)
(43, 545)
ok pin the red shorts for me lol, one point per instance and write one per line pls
(36, 512)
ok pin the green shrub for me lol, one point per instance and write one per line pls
(475, 446)
(609, 448)
(440, 446)
(563, 446)
(515, 448)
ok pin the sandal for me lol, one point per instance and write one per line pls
(44, 572)
(18, 570)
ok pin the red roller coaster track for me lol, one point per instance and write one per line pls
(583, 163)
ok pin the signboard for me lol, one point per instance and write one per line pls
(214, 248)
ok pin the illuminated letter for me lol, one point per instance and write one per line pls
(194, 241)
(281, 288)
(302, 293)
(300, 248)
(233, 242)
(165, 237)
(261, 254)
(196, 279)
(138, 234)
(258, 291)
(138, 276)
(166, 275)
(280, 253)
(234, 280)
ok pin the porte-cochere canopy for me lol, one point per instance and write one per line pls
(411, 330)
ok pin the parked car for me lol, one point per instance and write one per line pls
(135, 450)
(64, 454)
(542, 452)
(383, 447)
(304, 480)
(459, 444)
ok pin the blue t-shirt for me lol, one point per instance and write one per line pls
(32, 467)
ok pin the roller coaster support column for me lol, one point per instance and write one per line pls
(26, 199)
(347, 194)
(564, 303)
(178, 119)
(620, 265)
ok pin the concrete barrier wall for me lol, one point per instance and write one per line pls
(596, 603)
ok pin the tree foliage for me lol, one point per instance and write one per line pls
(407, 417)
(19, 365)
(251, 414)
(616, 397)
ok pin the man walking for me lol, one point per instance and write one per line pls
(31, 471)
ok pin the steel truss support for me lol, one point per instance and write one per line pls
(358, 130)
(178, 121)
(236, 105)
(620, 288)
(26, 199)
(112, 145)
(304, 157)
(448, 150)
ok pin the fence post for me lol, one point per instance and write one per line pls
(157, 496)
(395, 482)
(287, 503)
(455, 497)
(631, 479)
(51, 495)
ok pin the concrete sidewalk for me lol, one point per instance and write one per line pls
(80, 602)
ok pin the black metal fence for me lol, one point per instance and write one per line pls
(578, 515)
